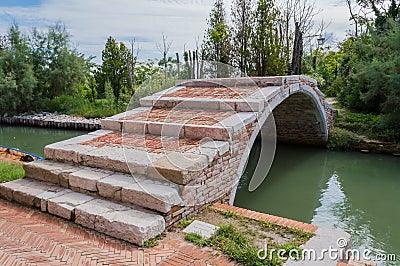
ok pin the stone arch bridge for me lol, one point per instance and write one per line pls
(184, 148)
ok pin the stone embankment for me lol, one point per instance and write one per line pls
(50, 120)
(373, 146)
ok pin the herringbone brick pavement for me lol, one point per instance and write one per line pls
(29, 237)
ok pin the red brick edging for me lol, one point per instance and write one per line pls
(266, 217)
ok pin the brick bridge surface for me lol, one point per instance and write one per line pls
(184, 148)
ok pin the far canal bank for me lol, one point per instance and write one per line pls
(50, 120)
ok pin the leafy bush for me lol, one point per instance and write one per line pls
(151, 86)
(339, 139)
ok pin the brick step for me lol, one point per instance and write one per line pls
(124, 221)
(254, 97)
(139, 190)
(163, 158)
(184, 123)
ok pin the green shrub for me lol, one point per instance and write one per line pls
(339, 139)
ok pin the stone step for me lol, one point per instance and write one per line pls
(108, 151)
(183, 123)
(135, 189)
(179, 160)
(238, 105)
(248, 98)
(124, 221)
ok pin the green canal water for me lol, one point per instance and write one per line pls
(33, 140)
(358, 193)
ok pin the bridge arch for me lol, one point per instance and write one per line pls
(301, 116)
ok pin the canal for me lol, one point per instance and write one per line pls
(33, 139)
(358, 193)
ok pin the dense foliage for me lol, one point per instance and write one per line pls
(364, 73)
(44, 72)
(38, 67)
(252, 41)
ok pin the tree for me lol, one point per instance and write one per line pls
(266, 44)
(217, 39)
(164, 49)
(114, 69)
(58, 67)
(17, 80)
(241, 32)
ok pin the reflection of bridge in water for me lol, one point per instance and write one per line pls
(184, 148)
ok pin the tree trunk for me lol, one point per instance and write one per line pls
(297, 52)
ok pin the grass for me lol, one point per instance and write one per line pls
(10, 171)
(236, 244)
(153, 242)
(241, 238)
(182, 224)
(368, 126)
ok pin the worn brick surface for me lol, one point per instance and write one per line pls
(28, 237)
(149, 143)
(181, 116)
(214, 92)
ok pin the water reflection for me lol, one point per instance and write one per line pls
(351, 191)
(32, 139)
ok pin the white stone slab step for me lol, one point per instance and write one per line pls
(120, 159)
(222, 130)
(124, 221)
(145, 192)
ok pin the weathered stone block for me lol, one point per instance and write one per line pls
(213, 132)
(86, 179)
(221, 146)
(111, 124)
(85, 214)
(64, 206)
(134, 226)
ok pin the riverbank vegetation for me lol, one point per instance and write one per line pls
(43, 71)
(10, 171)
(364, 73)
(241, 238)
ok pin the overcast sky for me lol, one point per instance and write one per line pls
(91, 22)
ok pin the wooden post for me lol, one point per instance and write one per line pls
(178, 65)
(190, 65)
(194, 65)
(197, 64)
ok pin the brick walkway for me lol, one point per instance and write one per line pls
(149, 143)
(214, 92)
(29, 237)
(181, 116)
